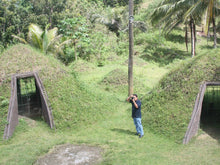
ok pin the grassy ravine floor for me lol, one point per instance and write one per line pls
(115, 136)
(115, 133)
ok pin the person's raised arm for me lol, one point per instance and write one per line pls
(135, 104)
(129, 98)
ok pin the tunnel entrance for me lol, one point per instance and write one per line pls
(206, 112)
(210, 115)
(29, 101)
(28, 98)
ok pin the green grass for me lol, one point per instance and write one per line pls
(168, 109)
(86, 112)
(71, 101)
(115, 136)
(89, 106)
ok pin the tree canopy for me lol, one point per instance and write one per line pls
(83, 21)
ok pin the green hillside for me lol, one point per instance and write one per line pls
(169, 107)
(86, 80)
(90, 108)
(72, 104)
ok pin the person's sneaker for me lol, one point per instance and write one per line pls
(140, 136)
(136, 133)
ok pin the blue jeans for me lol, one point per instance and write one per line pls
(138, 125)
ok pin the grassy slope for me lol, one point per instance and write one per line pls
(78, 92)
(71, 102)
(114, 132)
(168, 109)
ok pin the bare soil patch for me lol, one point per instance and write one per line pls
(69, 154)
(30, 122)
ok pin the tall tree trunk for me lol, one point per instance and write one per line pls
(208, 35)
(195, 38)
(131, 43)
(50, 17)
(214, 32)
(192, 28)
(4, 24)
(186, 38)
(74, 45)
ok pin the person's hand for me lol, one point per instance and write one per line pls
(129, 98)
(132, 98)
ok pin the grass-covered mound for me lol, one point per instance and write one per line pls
(73, 104)
(115, 80)
(167, 110)
(116, 77)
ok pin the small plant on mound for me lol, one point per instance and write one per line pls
(45, 40)
(167, 110)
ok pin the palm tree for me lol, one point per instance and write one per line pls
(47, 40)
(44, 40)
(170, 13)
(116, 20)
(209, 9)
(113, 19)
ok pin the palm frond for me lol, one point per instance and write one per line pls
(20, 39)
(34, 35)
(54, 43)
(192, 10)
(59, 47)
(159, 13)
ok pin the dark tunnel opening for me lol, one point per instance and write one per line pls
(210, 115)
(29, 100)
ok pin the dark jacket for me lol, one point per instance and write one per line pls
(136, 112)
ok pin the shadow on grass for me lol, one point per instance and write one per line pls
(176, 38)
(207, 47)
(123, 131)
(163, 56)
(212, 130)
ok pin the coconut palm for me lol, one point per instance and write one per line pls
(47, 40)
(170, 13)
(44, 40)
(209, 9)
(116, 20)
(113, 19)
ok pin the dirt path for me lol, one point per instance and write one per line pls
(69, 154)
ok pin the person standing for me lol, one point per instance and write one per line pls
(136, 114)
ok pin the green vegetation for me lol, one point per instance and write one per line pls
(212, 95)
(170, 105)
(90, 108)
(87, 87)
(62, 87)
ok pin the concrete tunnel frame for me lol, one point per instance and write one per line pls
(12, 118)
(194, 123)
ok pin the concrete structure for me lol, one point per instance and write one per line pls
(12, 118)
(194, 123)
